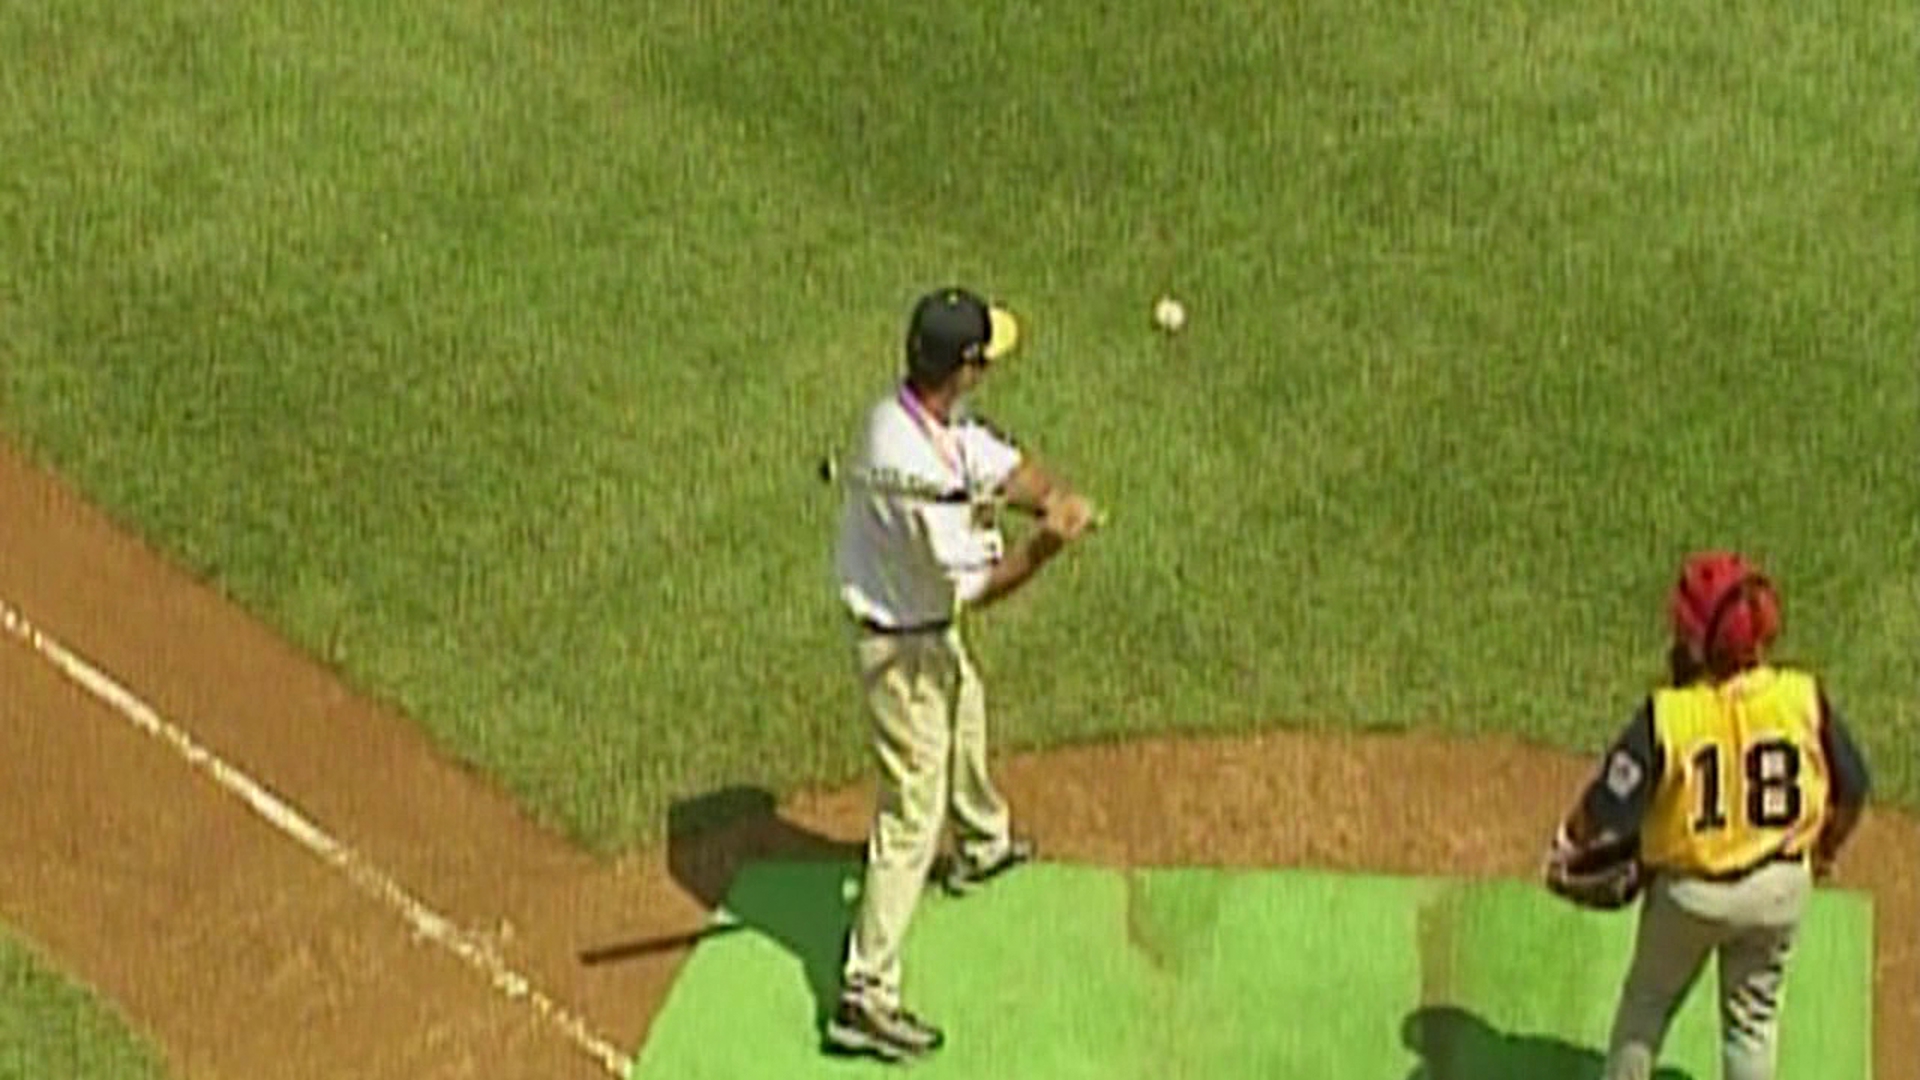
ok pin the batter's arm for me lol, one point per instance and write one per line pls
(1031, 486)
(1017, 568)
(1061, 523)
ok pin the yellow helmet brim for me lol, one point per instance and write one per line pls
(1003, 333)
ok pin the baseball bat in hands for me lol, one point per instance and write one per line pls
(1080, 515)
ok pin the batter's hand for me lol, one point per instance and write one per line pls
(1067, 516)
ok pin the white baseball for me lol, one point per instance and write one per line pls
(1169, 314)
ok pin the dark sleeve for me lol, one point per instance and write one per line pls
(1850, 779)
(1617, 799)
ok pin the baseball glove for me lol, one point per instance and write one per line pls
(1603, 877)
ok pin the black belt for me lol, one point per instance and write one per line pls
(1726, 877)
(872, 627)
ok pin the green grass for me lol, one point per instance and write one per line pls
(50, 1027)
(486, 348)
(1072, 971)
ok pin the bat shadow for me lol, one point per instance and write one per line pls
(711, 837)
(1457, 1044)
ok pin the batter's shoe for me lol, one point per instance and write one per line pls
(963, 875)
(857, 1027)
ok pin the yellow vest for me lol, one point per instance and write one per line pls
(1745, 776)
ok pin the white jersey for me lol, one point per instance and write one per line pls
(918, 537)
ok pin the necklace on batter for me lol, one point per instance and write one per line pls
(938, 434)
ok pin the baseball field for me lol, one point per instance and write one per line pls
(419, 654)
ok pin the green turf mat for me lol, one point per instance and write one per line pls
(1523, 963)
(1064, 972)
(1246, 960)
(1033, 974)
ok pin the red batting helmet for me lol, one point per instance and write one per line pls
(1723, 609)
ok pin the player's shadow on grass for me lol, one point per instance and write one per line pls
(1455, 1044)
(712, 837)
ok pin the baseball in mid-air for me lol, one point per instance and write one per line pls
(1169, 314)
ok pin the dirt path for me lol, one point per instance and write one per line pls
(244, 956)
(240, 952)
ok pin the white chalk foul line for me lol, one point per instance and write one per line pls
(478, 950)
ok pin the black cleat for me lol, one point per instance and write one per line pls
(888, 1034)
(963, 877)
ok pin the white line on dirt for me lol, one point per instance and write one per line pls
(477, 949)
